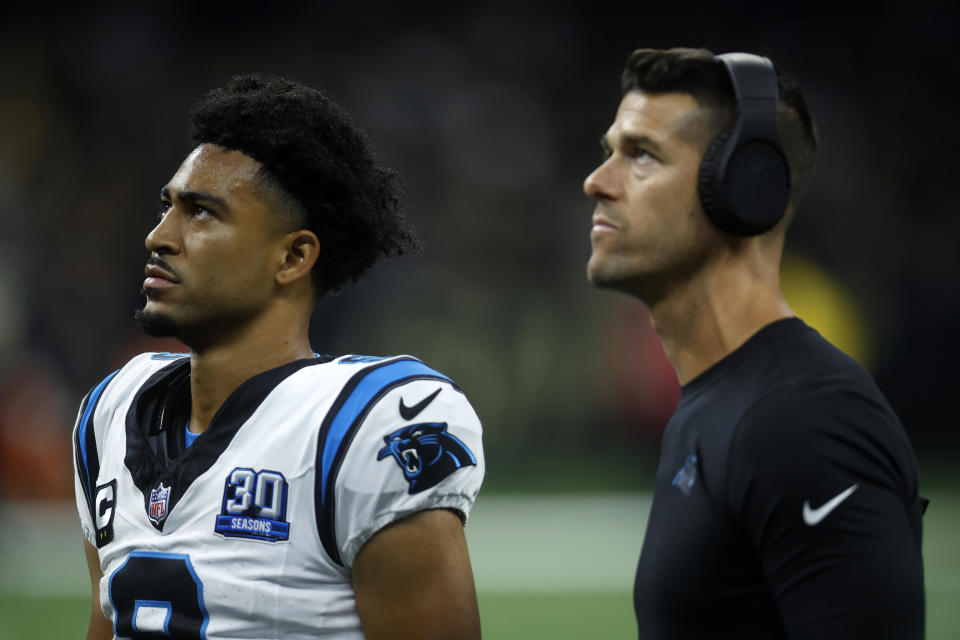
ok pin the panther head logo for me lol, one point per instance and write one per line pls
(426, 453)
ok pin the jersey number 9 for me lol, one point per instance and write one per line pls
(155, 594)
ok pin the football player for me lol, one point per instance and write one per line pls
(253, 488)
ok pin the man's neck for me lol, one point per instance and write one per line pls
(714, 313)
(217, 369)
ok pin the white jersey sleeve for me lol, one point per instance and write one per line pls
(86, 460)
(417, 446)
(80, 491)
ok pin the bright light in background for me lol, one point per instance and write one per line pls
(825, 304)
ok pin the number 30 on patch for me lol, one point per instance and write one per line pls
(254, 506)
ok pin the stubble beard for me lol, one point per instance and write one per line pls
(649, 283)
(195, 326)
(156, 325)
(610, 272)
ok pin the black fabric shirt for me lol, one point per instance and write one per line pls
(785, 504)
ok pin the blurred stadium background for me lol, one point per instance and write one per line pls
(491, 113)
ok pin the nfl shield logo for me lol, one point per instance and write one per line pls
(159, 499)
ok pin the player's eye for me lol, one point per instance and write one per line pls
(162, 208)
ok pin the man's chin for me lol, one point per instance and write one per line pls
(600, 282)
(603, 276)
(155, 324)
(598, 275)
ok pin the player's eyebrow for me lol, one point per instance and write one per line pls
(195, 196)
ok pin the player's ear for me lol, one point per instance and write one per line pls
(300, 250)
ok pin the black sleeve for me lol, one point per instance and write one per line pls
(825, 485)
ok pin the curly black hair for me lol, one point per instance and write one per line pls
(311, 149)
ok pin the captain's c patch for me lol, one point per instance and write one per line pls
(104, 508)
(254, 506)
(426, 453)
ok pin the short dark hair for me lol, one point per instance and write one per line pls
(698, 73)
(318, 160)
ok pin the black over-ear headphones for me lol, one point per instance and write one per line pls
(744, 175)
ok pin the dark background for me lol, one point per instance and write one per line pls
(491, 114)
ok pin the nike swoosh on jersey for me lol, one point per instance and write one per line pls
(409, 413)
(813, 517)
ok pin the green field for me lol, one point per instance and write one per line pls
(941, 559)
(552, 611)
(504, 615)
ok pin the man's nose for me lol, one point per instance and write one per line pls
(601, 183)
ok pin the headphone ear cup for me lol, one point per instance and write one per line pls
(711, 194)
(750, 199)
(757, 187)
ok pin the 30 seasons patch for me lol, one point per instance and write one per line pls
(254, 506)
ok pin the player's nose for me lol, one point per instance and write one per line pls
(162, 239)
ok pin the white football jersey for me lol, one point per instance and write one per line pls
(252, 531)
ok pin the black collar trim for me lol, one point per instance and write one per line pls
(152, 460)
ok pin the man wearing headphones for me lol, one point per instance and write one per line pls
(786, 500)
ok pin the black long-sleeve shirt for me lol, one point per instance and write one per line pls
(785, 505)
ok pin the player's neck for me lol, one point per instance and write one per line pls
(714, 313)
(218, 368)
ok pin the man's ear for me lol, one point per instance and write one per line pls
(301, 249)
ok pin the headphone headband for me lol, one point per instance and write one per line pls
(755, 90)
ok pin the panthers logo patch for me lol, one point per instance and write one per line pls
(426, 453)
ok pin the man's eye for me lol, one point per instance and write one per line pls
(162, 209)
(644, 157)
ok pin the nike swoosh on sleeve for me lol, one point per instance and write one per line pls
(813, 517)
(409, 413)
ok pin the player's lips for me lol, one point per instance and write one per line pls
(158, 277)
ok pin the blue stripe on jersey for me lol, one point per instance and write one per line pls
(367, 389)
(166, 355)
(85, 420)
